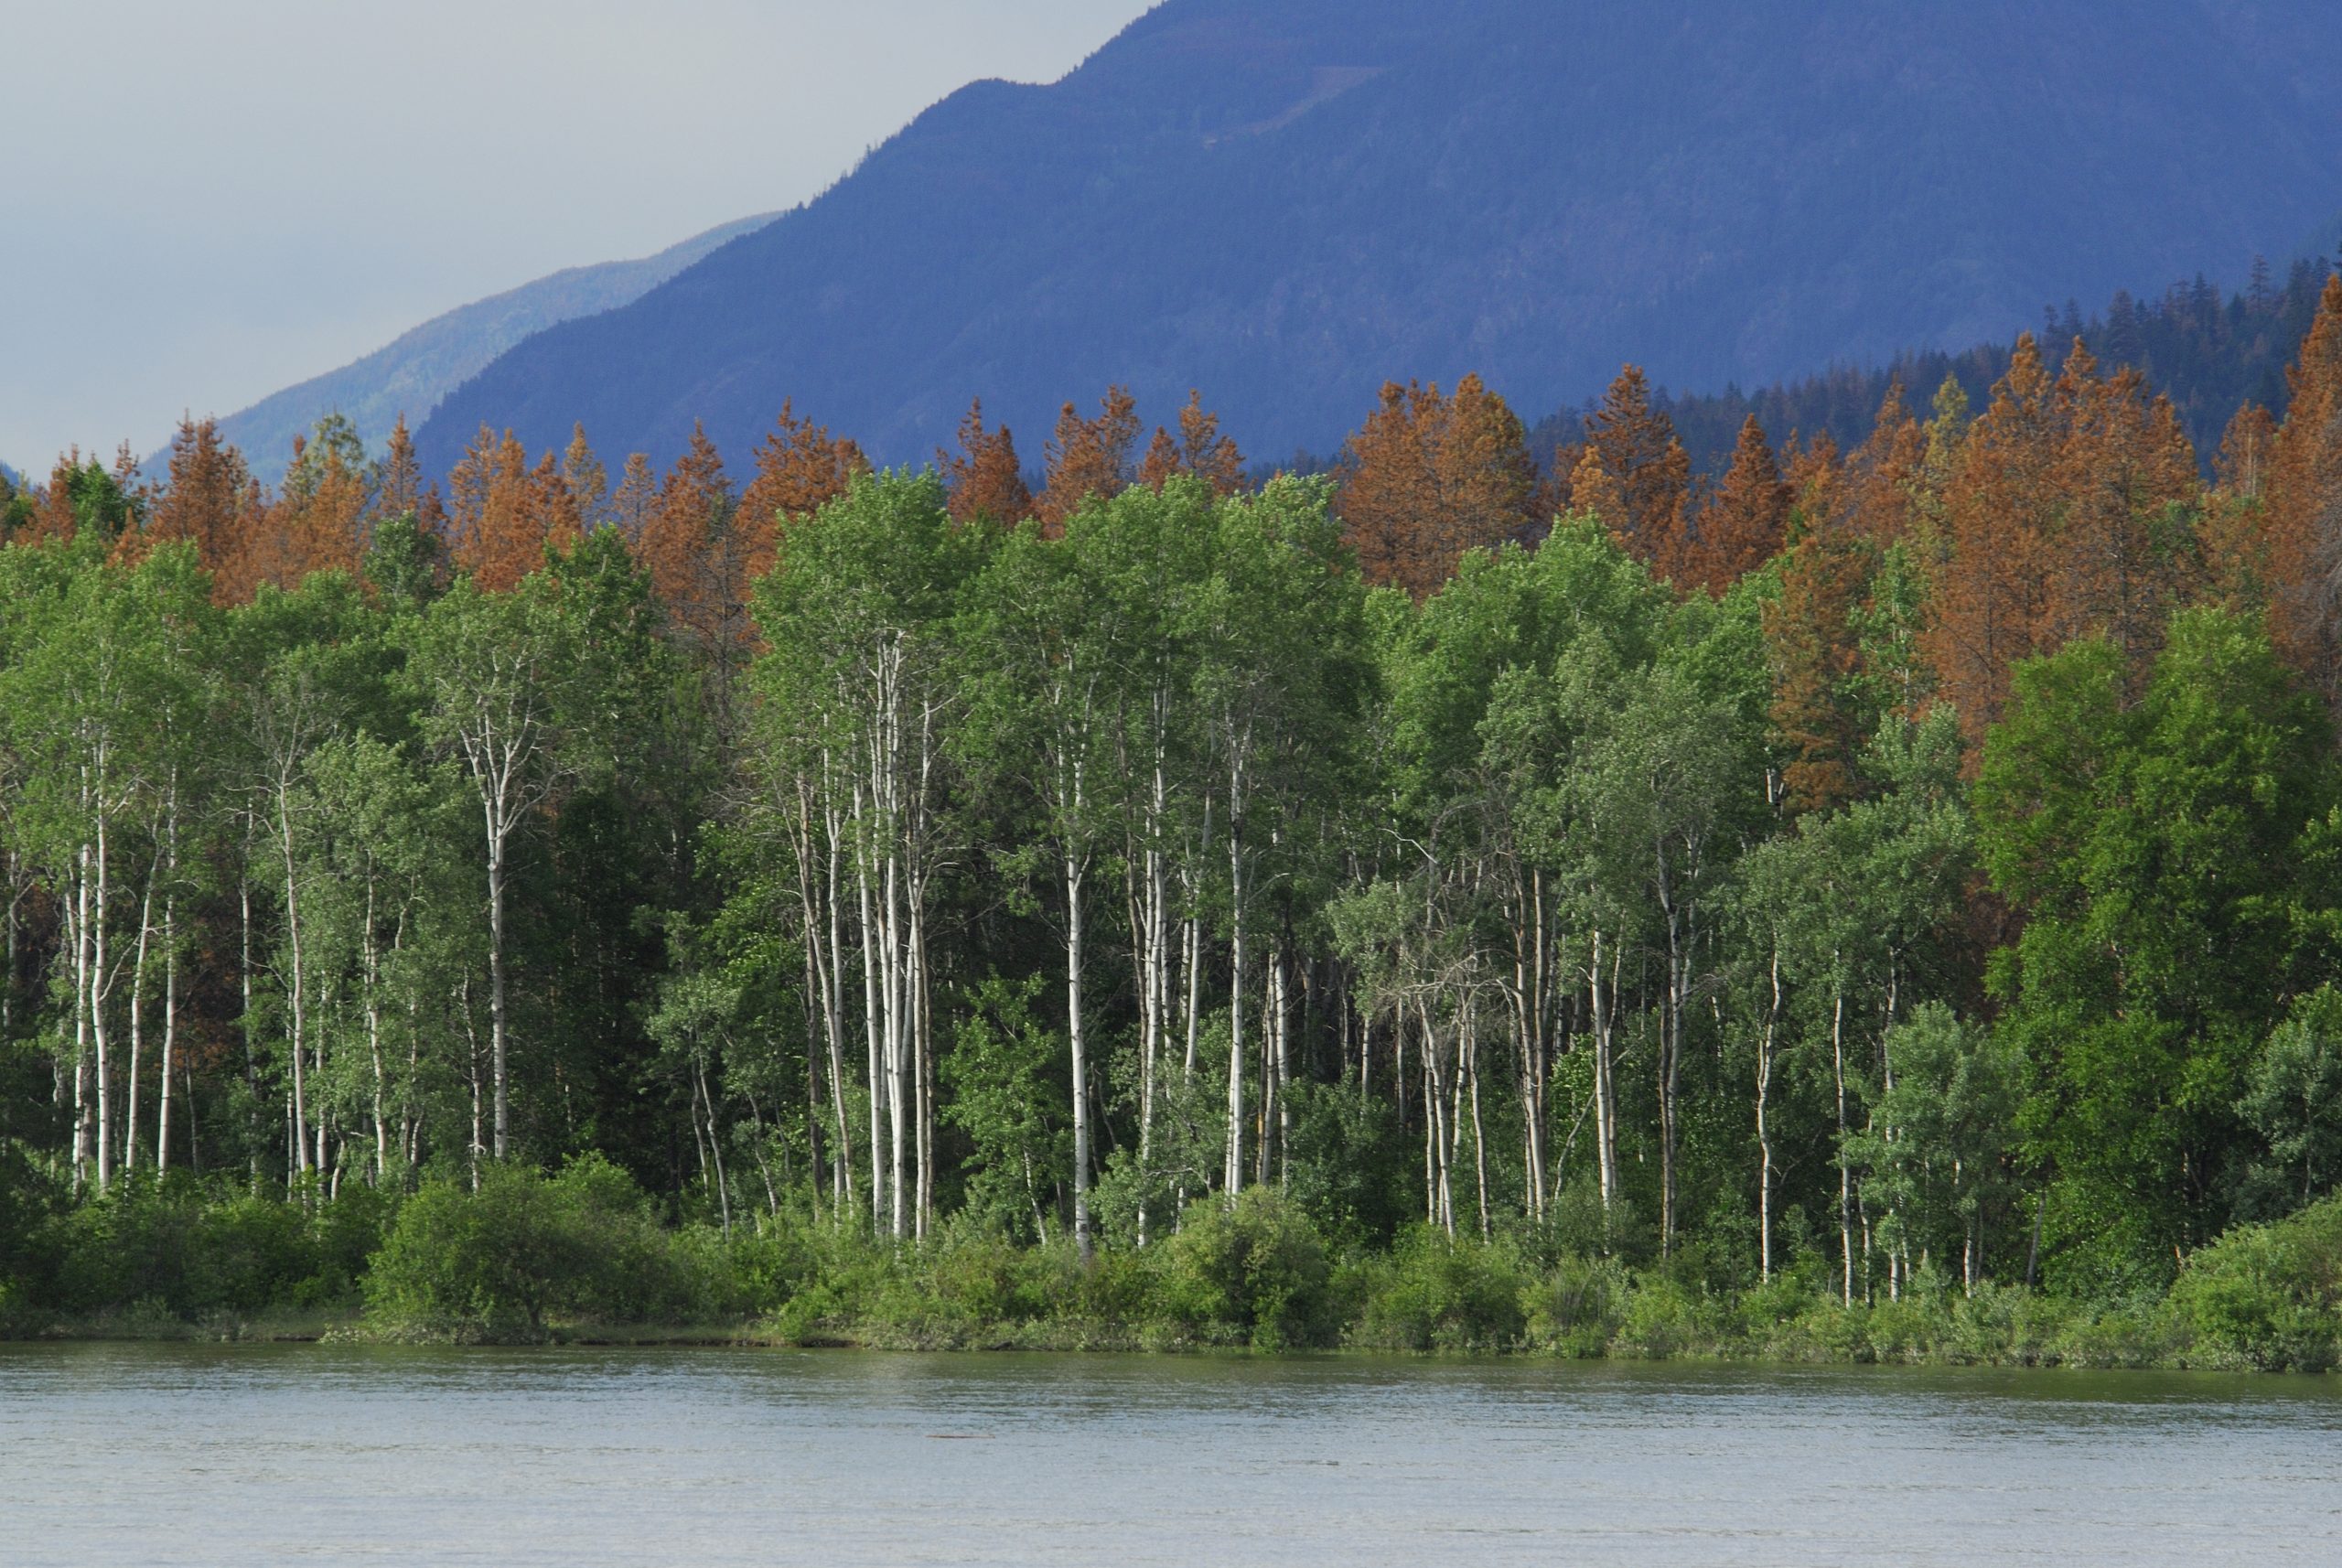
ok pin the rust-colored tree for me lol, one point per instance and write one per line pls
(636, 502)
(586, 480)
(204, 502)
(1199, 450)
(2121, 548)
(323, 508)
(1986, 593)
(684, 549)
(1633, 446)
(2234, 529)
(53, 513)
(1885, 471)
(1429, 476)
(1745, 520)
(985, 479)
(801, 469)
(2301, 503)
(400, 488)
(1088, 457)
(502, 513)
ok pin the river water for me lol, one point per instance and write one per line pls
(124, 1454)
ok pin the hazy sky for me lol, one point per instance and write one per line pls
(202, 203)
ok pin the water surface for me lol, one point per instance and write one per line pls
(242, 1454)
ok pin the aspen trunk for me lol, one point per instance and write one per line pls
(1471, 1049)
(1845, 1170)
(101, 985)
(1763, 1128)
(897, 1001)
(1441, 1197)
(138, 1016)
(1075, 875)
(78, 917)
(1606, 1095)
(1233, 1176)
(245, 1022)
(716, 1144)
(372, 963)
(298, 994)
(170, 1037)
(499, 1027)
(1280, 1054)
(170, 987)
(872, 1023)
(9, 979)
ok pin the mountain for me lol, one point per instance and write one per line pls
(1285, 202)
(2209, 354)
(411, 374)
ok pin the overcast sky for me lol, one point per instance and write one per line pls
(202, 203)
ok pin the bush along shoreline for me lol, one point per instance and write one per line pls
(581, 1257)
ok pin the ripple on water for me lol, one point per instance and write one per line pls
(244, 1453)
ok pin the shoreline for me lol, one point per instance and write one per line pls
(1043, 1338)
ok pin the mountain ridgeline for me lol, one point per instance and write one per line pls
(410, 375)
(1286, 203)
(2209, 354)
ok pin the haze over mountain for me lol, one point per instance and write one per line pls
(1285, 202)
(412, 373)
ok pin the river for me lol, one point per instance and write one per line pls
(244, 1455)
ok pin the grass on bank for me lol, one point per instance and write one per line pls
(581, 1256)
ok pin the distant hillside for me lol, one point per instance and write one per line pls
(1287, 201)
(2209, 354)
(413, 374)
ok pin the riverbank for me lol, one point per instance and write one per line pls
(1996, 1326)
(580, 1258)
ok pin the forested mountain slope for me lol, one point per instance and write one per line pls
(410, 375)
(2208, 354)
(1287, 201)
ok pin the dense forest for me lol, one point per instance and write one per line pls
(2208, 354)
(1902, 872)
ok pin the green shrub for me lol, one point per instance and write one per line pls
(248, 1254)
(1579, 1306)
(2112, 1338)
(1434, 1293)
(1662, 1320)
(177, 1254)
(2267, 1296)
(1254, 1269)
(523, 1247)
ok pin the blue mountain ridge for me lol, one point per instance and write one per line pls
(413, 372)
(1286, 203)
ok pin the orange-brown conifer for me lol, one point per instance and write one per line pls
(985, 479)
(401, 490)
(637, 500)
(686, 550)
(1987, 593)
(1745, 520)
(2302, 497)
(1199, 450)
(502, 513)
(204, 500)
(1088, 457)
(1636, 445)
(801, 469)
(586, 480)
(1429, 476)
